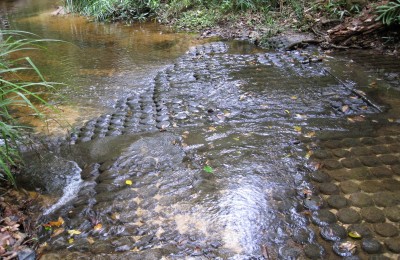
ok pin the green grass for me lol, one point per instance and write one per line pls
(16, 92)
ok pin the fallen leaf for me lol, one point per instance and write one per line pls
(98, 227)
(372, 84)
(57, 232)
(297, 128)
(73, 232)
(293, 97)
(236, 138)
(71, 240)
(90, 240)
(354, 234)
(356, 119)
(287, 112)
(208, 169)
(128, 182)
(308, 155)
(57, 223)
(47, 228)
(391, 120)
(345, 108)
(115, 216)
(310, 134)
(299, 116)
(212, 129)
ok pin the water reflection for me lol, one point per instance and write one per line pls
(98, 62)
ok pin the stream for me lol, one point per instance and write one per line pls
(205, 149)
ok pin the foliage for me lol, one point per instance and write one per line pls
(389, 13)
(199, 13)
(208, 169)
(337, 9)
(16, 92)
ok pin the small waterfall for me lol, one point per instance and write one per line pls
(73, 184)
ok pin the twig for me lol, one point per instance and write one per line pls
(356, 92)
(264, 250)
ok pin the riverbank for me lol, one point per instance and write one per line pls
(351, 24)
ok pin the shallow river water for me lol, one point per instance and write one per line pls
(215, 150)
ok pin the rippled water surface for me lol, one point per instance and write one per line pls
(191, 150)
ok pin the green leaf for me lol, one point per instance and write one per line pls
(208, 169)
(354, 234)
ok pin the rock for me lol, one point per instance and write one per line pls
(393, 213)
(313, 203)
(361, 200)
(333, 232)
(50, 174)
(361, 229)
(328, 188)
(372, 215)
(393, 245)
(371, 246)
(386, 230)
(337, 201)
(348, 216)
(323, 217)
(344, 248)
(314, 251)
(26, 254)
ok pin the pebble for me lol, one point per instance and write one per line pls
(320, 176)
(371, 246)
(372, 215)
(349, 187)
(26, 254)
(362, 229)
(323, 217)
(386, 229)
(333, 232)
(314, 251)
(392, 213)
(337, 201)
(344, 248)
(393, 245)
(348, 216)
(328, 188)
(289, 252)
(313, 203)
(163, 124)
(361, 200)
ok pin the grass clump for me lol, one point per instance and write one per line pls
(15, 92)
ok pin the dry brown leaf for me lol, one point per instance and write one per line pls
(98, 227)
(57, 232)
(57, 223)
(90, 240)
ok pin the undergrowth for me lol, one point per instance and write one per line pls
(15, 92)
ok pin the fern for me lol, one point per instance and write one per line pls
(389, 13)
